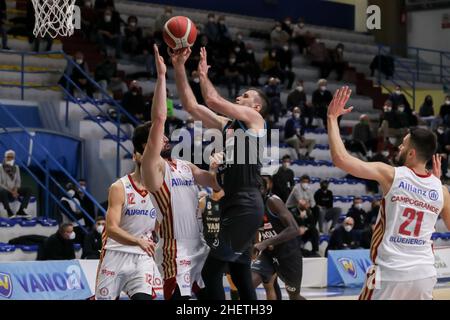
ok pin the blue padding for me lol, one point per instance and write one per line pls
(4, 247)
(27, 223)
(28, 116)
(25, 248)
(47, 222)
(63, 148)
(7, 223)
(77, 246)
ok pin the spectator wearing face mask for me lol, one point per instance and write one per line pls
(134, 102)
(232, 76)
(287, 26)
(398, 98)
(249, 66)
(211, 29)
(72, 211)
(301, 191)
(357, 213)
(88, 18)
(338, 62)
(223, 33)
(194, 82)
(391, 127)
(92, 244)
(239, 42)
(285, 56)
(294, 134)
(161, 21)
(321, 98)
(301, 36)
(444, 112)
(426, 111)
(407, 117)
(362, 133)
(270, 65)
(78, 77)
(443, 140)
(324, 204)
(132, 36)
(106, 74)
(297, 97)
(283, 179)
(343, 237)
(85, 202)
(11, 186)
(273, 92)
(59, 246)
(320, 57)
(108, 31)
(305, 220)
(279, 37)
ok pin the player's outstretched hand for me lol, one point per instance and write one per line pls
(159, 61)
(203, 63)
(215, 161)
(437, 172)
(340, 99)
(147, 246)
(179, 57)
(260, 247)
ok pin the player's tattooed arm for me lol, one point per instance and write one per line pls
(216, 102)
(116, 200)
(378, 171)
(153, 166)
(188, 100)
(291, 229)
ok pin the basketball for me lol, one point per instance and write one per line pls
(179, 32)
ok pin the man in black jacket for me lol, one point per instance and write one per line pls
(93, 241)
(321, 98)
(59, 246)
(324, 204)
(283, 180)
(294, 134)
(343, 237)
(357, 213)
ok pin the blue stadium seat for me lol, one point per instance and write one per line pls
(4, 247)
(25, 248)
(46, 222)
(27, 223)
(77, 246)
(323, 238)
(7, 223)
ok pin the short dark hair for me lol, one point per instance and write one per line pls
(357, 198)
(140, 136)
(286, 157)
(62, 226)
(424, 141)
(100, 218)
(305, 177)
(265, 105)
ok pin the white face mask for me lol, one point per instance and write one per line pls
(387, 109)
(249, 51)
(348, 228)
(440, 131)
(358, 206)
(108, 18)
(385, 153)
(71, 193)
(239, 37)
(447, 102)
(196, 80)
(401, 109)
(392, 140)
(10, 163)
(301, 25)
(134, 93)
(237, 49)
(296, 115)
(398, 92)
(190, 126)
(305, 186)
(83, 188)
(323, 88)
(72, 236)
(288, 22)
(286, 165)
(132, 24)
(87, 4)
(300, 88)
(232, 61)
(79, 61)
(100, 228)
(278, 29)
(285, 48)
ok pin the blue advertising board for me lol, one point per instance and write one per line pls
(43, 280)
(348, 267)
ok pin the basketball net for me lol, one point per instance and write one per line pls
(53, 18)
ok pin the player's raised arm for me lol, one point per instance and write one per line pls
(116, 200)
(199, 112)
(220, 105)
(291, 229)
(152, 162)
(378, 171)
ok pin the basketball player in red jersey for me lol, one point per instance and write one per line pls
(181, 251)
(401, 248)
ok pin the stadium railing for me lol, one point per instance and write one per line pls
(48, 175)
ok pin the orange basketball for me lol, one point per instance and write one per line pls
(179, 32)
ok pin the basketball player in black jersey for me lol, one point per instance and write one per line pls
(279, 250)
(242, 206)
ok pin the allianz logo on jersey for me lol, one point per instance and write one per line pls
(141, 212)
(177, 182)
(432, 194)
